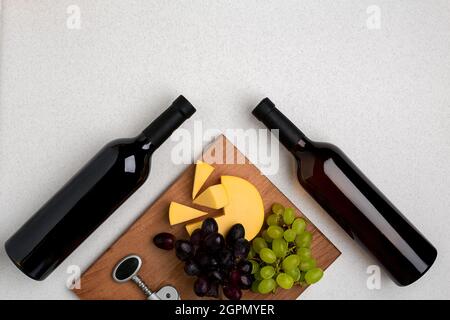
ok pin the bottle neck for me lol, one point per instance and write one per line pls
(288, 134)
(162, 127)
(304, 144)
(145, 144)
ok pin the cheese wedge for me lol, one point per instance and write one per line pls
(215, 197)
(202, 172)
(192, 226)
(179, 213)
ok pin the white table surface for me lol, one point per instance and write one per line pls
(381, 95)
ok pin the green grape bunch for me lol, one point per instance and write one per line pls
(281, 256)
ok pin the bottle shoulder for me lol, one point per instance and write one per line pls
(138, 144)
(317, 149)
(127, 155)
(317, 156)
(120, 143)
(326, 147)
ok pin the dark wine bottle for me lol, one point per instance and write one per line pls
(91, 196)
(331, 178)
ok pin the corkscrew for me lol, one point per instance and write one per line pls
(127, 269)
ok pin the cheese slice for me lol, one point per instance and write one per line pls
(202, 171)
(192, 226)
(215, 197)
(179, 213)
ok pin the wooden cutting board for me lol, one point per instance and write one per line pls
(161, 267)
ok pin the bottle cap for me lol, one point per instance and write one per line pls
(267, 113)
(163, 126)
(184, 106)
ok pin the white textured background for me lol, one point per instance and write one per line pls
(382, 95)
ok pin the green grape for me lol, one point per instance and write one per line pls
(273, 220)
(277, 208)
(266, 237)
(285, 281)
(304, 253)
(290, 262)
(267, 272)
(279, 247)
(302, 277)
(255, 266)
(275, 232)
(289, 235)
(275, 278)
(313, 275)
(294, 273)
(303, 240)
(257, 276)
(251, 253)
(258, 243)
(288, 216)
(266, 286)
(267, 255)
(307, 264)
(255, 285)
(299, 225)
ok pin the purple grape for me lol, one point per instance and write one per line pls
(213, 264)
(197, 237)
(202, 259)
(246, 281)
(164, 240)
(201, 286)
(191, 268)
(245, 267)
(237, 231)
(232, 292)
(206, 262)
(209, 225)
(234, 278)
(241, 248)
(213, 290)
(183, 249)
(225, 258)
(214, 241)
(217, 275)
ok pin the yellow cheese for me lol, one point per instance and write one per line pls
(245, 206)
(179, 213)
(202, 172)
(215, 197)
(192, 226)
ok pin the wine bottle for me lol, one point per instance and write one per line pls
(331, 178)
(91, 196)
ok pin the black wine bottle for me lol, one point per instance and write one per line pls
(91, 196)
(331, 178)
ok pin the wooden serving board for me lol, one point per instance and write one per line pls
(161, 267)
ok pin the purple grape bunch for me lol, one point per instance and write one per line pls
(215, 261)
